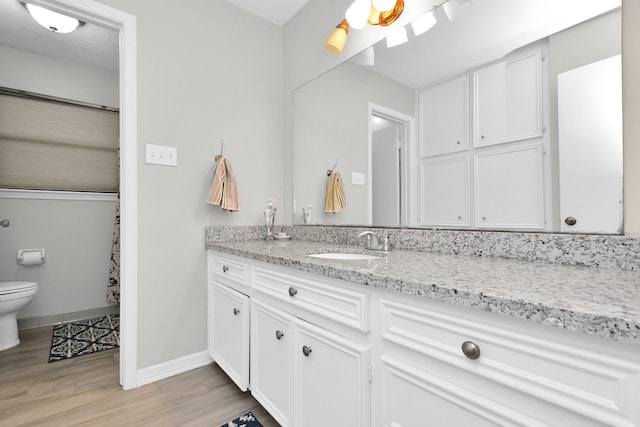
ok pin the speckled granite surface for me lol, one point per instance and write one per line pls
(598, 301)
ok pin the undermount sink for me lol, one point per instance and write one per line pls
(344, 256)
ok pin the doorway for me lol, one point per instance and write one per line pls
(389, 135)
(125, 25)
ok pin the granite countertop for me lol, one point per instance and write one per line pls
(602, 302)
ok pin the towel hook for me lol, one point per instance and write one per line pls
(330, 171)
(221, 148)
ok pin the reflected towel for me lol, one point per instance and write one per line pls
(224, 191)
(335, 200)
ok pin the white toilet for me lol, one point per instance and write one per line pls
(13, 296)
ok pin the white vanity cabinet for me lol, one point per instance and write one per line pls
(228, 317)
(330, 352)
(309, 359)
(475, 368)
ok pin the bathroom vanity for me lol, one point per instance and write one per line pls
(420, 338)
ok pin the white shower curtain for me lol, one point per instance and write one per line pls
(113, 287)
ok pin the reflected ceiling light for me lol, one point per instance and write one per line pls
(366, 57)
(397, 36)
(383, 5)
(423, 23)
(53, 21)
(390, 16)
(455, 8)
(338, 38)
(358, 14)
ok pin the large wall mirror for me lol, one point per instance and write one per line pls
(505, 116)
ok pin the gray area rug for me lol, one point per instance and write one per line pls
(84, 337)
(247, 420)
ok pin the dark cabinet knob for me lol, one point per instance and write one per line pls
(570, 220)
(471, 350)
(306, 350)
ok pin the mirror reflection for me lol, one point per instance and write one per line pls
(507, 116)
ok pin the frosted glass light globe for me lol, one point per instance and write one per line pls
(383, 5)
(52, 21)
(358, 13)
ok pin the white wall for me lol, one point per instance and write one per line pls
(206, 70)
(57, 77)
(77, 236)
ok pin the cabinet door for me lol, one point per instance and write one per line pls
(509, 189)
(508, 103)
(444, 118)
(444, 194)
(590, 151)
(271, 367)
(229, 333)
(331, 379)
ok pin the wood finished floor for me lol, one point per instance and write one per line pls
(85, 391)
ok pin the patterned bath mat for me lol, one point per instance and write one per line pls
(84, 337)
(247, 420)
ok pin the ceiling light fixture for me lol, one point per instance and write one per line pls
(397, 36)
(53, 21)
(455, 8)
(385, 13)
(338, 38)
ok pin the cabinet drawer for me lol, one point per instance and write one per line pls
(228, 270)
(331, 301)
(573, 380)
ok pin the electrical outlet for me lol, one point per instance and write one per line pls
(161, 155)
(357, 178)
(294, 207)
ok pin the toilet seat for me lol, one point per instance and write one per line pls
(7, 288)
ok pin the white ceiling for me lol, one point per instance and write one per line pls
(278, 11)
(488, 30)
(445, 49)
(96, 46)
(89, 44)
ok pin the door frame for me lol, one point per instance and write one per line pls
(406, 172)
(125, 24)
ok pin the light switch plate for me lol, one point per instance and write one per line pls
(161, 155)
(357, 178)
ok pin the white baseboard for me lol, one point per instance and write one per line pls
(173, 367)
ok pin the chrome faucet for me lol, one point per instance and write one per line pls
(374, 243)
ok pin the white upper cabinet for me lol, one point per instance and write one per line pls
(444, 113)
(445, 192)
(509, 189)
(507, 101)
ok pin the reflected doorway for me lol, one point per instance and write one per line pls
(388, 136)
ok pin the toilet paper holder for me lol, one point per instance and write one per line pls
(31, 256)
